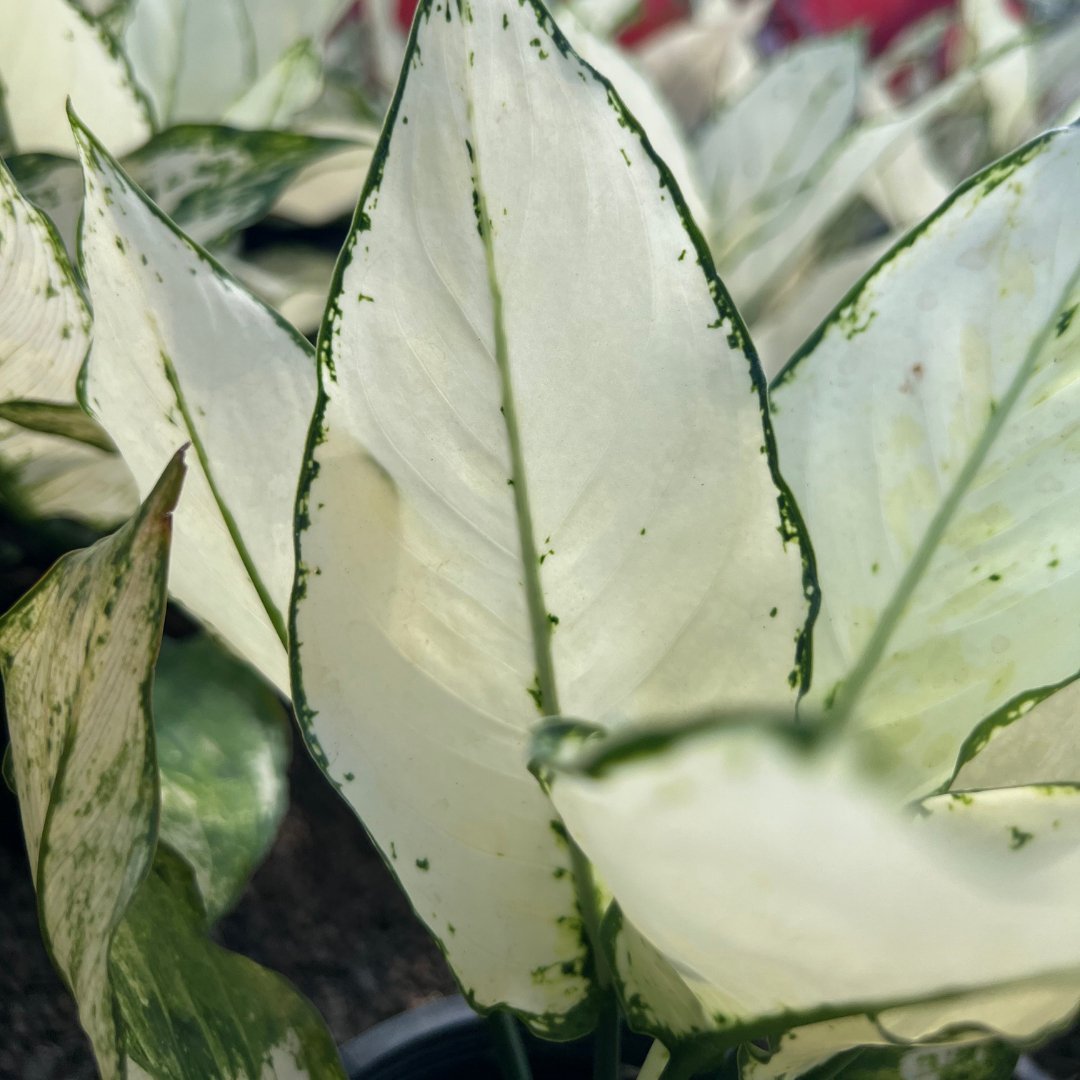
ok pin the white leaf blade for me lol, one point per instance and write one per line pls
(440, 595)
(813, 899)
(181, 353)
(51, 52)
(950, 469)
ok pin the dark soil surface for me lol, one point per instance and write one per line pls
(323, 910)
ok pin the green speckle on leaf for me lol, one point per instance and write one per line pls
(423, 864)
(1018, 838)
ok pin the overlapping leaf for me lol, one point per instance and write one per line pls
(122, 917)
(58, 458)
(929, 433)
(50, 51)
(812, 898)
(526, 407)
(183, 353)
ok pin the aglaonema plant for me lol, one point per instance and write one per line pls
(650, 684)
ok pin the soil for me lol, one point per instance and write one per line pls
(323, 911)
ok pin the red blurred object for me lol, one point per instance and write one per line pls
(884, 19)
(406, 9)
(654, 15)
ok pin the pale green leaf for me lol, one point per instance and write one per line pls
(290, 86)
(762, 260)
(533, 390)
(222, 750)
(68, 421)
(929, 433)
(76, 655)
(191, 1010)
(758, 150)
(50, 51)
(44, 334)
(812, 897)
(198, 58)
(183, 353)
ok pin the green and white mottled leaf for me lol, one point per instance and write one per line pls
(183, 353)
(198, 58)
(76, 655)
(758, 150)
(493, 492)
(51, 51)
(192, 1010)
(813, 897)
(937, 480)
(211, 180)
(44, 334)
(222, 750)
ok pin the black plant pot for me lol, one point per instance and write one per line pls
(446, 1040)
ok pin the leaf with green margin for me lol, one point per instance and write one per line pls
(222, 751)
(76, 656)
(210, 179)
(523, 404)
(937, 481)
(44, 335)
(758, 150)
(814, 897)
(183, 352)
(51, 52)
(191, 1010)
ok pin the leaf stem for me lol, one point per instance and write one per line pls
(509, 1047)
(606, 1045)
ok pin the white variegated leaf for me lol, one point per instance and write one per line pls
(182, 353)
(292, 278)
(812, 897)
(529, 375)
(50, 52)
(76, 655)
(44, 334)
(122, 916)
(759, 149)
(929, 432)
(605, 17)
(293, 84)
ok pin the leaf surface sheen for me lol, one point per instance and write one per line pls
(532, 394)
(815, 900)
(183, 353)
(50, 52)
(938, 481)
